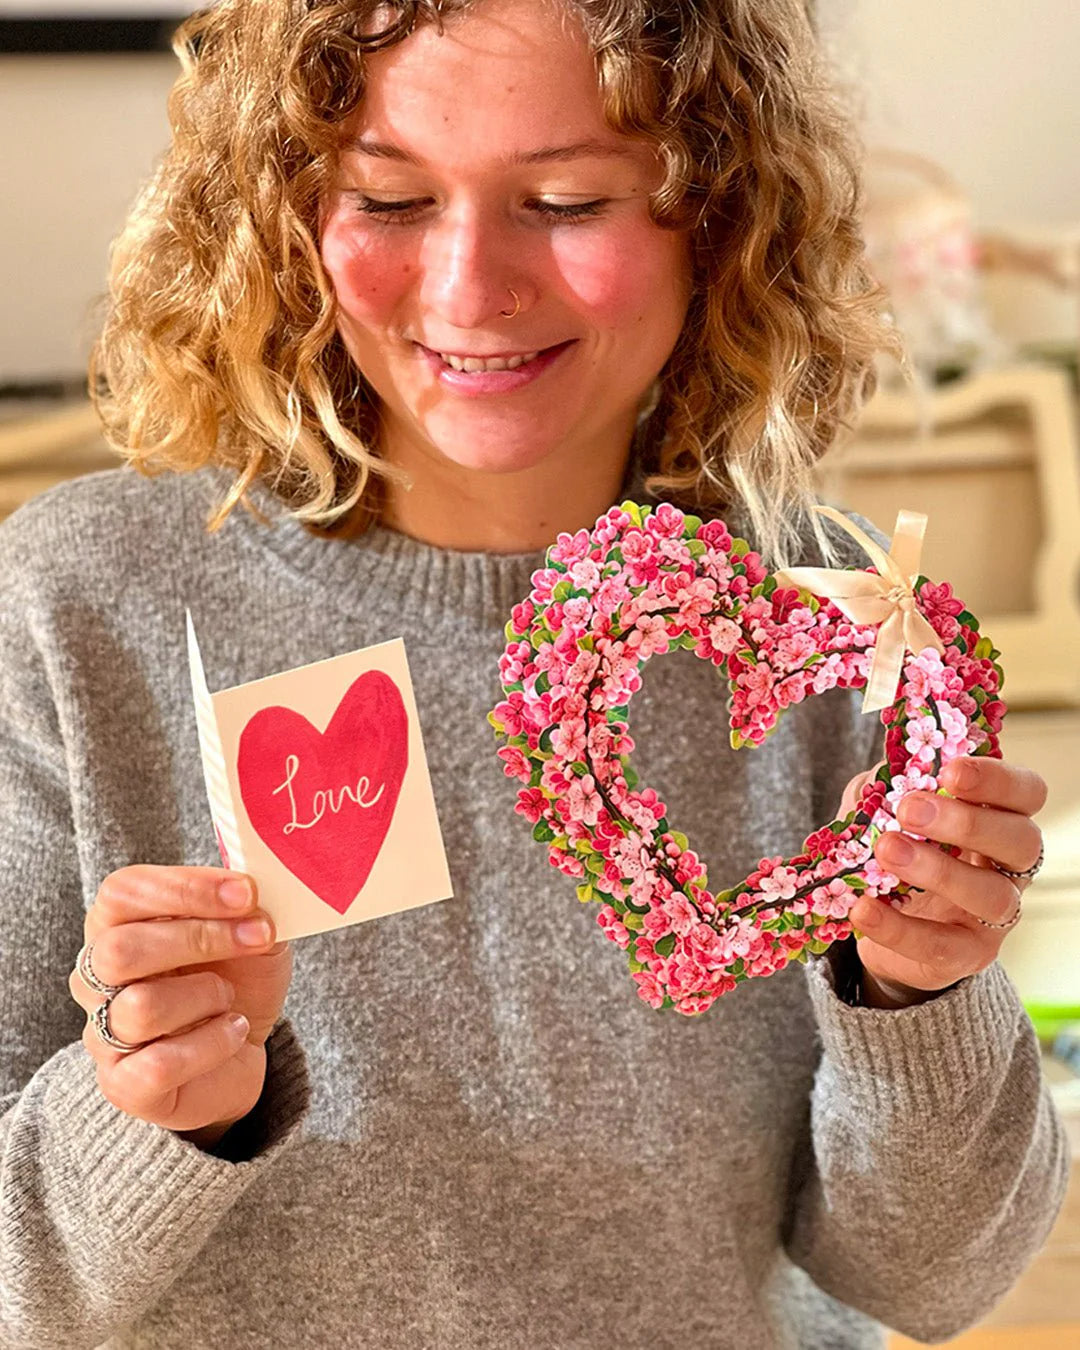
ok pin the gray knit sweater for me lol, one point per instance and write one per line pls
(473, 1133)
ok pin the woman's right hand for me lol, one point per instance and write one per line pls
(172, 937)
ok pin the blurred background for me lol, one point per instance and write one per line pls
(971, 120)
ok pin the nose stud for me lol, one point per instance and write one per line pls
(517, 305)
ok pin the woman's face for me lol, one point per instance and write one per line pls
(479, 162)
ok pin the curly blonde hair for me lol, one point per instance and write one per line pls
(220, 342)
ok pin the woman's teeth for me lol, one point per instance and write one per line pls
(472, 364)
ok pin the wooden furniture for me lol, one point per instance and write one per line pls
(40, 449)
(994, 462)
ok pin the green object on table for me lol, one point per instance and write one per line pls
(1050, 1018)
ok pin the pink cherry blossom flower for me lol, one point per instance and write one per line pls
(780, 884)
(649, 637)
(570, 548)
(582, 800)
(568, 740)
(531, 803)
(613, 926)
(666, 521)
(515, 763)
(585, 575)
(681, 913)
(924, 736)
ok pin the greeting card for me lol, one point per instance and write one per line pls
(319, 789)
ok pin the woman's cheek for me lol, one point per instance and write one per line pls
(615, 274)
(367, 271)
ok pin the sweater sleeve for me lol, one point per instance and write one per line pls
(935, 1162)
(99, 1211)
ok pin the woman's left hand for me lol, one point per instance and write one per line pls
(937, 940)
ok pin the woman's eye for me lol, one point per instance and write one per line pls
(578, 211)
(404, 212)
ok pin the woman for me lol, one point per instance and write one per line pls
(467, 1131)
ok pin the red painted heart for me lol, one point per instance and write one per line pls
(323, 802)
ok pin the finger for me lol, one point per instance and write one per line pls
(978, 778)
(1009, 838)
(980, 891)
(145, 1082)
(162, 1007)
(922, 953)
(148, 892)
(135, 951)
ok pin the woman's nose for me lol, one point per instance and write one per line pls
(468, 268)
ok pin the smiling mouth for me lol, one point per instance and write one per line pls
(472, 365)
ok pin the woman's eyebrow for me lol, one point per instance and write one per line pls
(590, 149)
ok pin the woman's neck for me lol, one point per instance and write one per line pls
(472, 511)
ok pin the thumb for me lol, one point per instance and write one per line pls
(854, 787)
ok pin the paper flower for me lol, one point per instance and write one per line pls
(647, 581)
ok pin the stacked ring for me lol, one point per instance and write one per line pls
(86, 973)
(99, 1018)
(1025, 875)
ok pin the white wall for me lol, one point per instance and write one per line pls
(77, 135)
(986, 87)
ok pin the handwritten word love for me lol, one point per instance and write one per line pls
(323, 798)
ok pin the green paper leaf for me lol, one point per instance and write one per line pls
(542, 832)
(666, 945)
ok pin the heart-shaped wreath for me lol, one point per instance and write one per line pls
(644, 582)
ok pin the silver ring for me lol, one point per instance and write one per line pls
(86, 974)
(1011, 922)
(100, 1019)
(1027, 873)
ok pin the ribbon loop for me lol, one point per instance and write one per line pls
(887, 599)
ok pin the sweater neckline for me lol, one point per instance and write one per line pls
(384, 567)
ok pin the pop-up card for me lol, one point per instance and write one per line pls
(319, 789)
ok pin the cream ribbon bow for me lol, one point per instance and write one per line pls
(887, 599)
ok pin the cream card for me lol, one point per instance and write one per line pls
(319, 789)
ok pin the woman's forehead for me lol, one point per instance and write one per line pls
(503, 48)
(512, 75)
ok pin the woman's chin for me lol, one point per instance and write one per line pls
(499, 457)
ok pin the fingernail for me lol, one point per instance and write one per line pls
(963, 775)
(897, 849)
(238, 1025)
(253, 932)
(236, 893)
(918, 810)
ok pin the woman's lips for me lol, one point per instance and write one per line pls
(493, 381)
